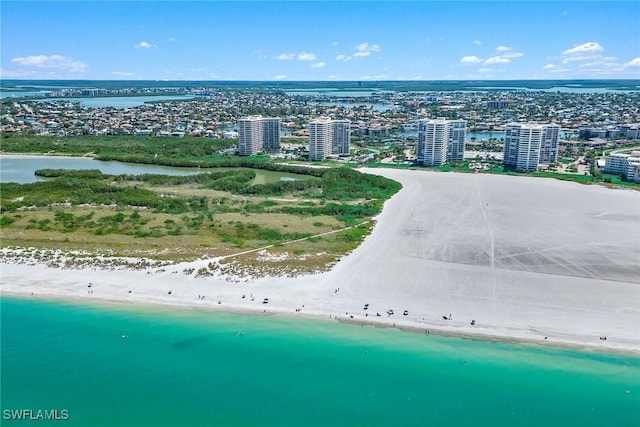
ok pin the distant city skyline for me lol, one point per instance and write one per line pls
(293, 41)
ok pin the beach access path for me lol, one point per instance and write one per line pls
(525, 258)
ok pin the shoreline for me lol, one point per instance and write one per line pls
(435, 257)
(45, 156)
(73, 292)
(424, 329)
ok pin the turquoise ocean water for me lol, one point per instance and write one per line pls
(126, 366)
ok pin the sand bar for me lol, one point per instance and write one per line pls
(527, 259)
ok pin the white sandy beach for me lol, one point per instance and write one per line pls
(526, 258)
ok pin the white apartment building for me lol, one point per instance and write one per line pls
(627, 165)
(457, 140)
(249, 135)
(440, 141)
(328, 137)
(549, 144)
(271, 134)
(256, 133)
(528, 144)
(341, 137)
(319, 138)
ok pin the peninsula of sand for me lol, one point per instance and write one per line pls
(486, 256)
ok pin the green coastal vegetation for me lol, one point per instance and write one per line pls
(226, 209)
(186, 151)
(308, 221)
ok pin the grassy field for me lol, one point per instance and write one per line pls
(179, 218)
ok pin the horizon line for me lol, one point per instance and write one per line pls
(323, 81)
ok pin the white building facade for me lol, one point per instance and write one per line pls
(271, 134)
(320, 131)
(440, 141)
(340, 137)
(327, 136)
(457, 139)
(249, 135)
(627, 165)
(549, 144)
(528, 144)
(257, 133)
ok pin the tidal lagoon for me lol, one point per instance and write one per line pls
(123, 365)
(21, 169)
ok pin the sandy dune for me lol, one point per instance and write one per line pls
(526, 258)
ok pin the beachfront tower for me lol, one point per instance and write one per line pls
(549, 144)
(320, 138)
(250, 135)
(528, 144)
(433, 138)
(340, 137)
(457, 136)
(522, 147)
(258, 133)
(271, 134)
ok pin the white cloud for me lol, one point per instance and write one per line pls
(58, 62)
(485, 70)
(318, 64)
(286, 56)
(279, 77)
(590, 61)
(635, 62)
(12, 74)
(144, 45)
(304, 56)
(122, 73)
(508, 52)
(366, 47)
(553, 68)
(477, 42)
(472, 59)
(335, 44)
(578, 58)
(587, 60)
(584, 47)
(594, 64)
(512, 54)
(497, 60)
(362, 50)
(171, 39)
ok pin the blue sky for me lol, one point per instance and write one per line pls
(335, 40)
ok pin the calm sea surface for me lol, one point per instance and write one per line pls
(116, 365)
